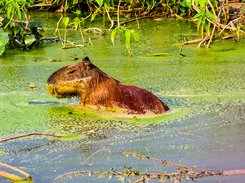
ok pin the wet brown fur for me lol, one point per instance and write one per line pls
(94, 87)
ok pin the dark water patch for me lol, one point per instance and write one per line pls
(43, 102)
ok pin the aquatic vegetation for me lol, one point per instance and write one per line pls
(3, 40)
(126, 173)
(204, 89)
(214, 19)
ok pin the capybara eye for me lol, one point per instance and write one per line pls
(70, 72)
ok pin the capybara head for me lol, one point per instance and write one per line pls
(74, 80)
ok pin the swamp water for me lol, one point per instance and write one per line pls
(205, 91)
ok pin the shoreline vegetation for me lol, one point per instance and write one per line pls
(214, 20)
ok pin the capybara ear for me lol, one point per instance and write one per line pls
(86, 59)
(87, 64)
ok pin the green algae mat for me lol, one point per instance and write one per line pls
(205, 91)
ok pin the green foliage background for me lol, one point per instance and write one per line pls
(206, 14)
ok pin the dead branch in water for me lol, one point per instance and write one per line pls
(182, 173)
(31, 134)
(27, 176)
(13, 177)
(10, 176)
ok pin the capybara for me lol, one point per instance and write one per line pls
(96, 88)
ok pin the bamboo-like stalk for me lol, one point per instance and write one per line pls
(10, 176)
(57, 29)
(118, 13)
(211, 36)
(210, 4)
(15, 169)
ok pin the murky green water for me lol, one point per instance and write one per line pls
(205, 91)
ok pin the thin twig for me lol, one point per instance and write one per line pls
(31, 134)
(192, 41)
(205, 39)
(211, 37)
(141, 156)
(164, 162)
(118, 13)
(210, 4)
(95, 154)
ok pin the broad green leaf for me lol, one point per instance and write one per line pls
(71, 137)
(186, 3)
(202, 3)
(113, 34)
(182, 9)
(197, 15)
(94, 15)
(75, 2)
(107, 2)
(78, 12)
(127, 34)
(3, 40)
(9, 11)
(136, 35)
(199, 21)
(16, 30)
(65, 21)
(207, 27)
(29, 40)
(76, 22)
(100, 2)
(211, 15)
(17, 9)
(215, 3)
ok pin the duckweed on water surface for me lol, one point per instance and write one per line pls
(205, 91)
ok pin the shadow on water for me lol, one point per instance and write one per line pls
(205, 91)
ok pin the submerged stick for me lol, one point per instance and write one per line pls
(31, 134)
(194, 41)
(15, 169)
(10, 176)
(182, 173)
(140, 156)
(233, 172)
(14, 177)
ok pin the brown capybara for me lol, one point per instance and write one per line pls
(96, 88)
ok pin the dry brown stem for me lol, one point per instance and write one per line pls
(194, 41)
(141, 156)
(184, 173)
(31, 134)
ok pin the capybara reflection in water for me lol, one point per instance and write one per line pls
(96, 88)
